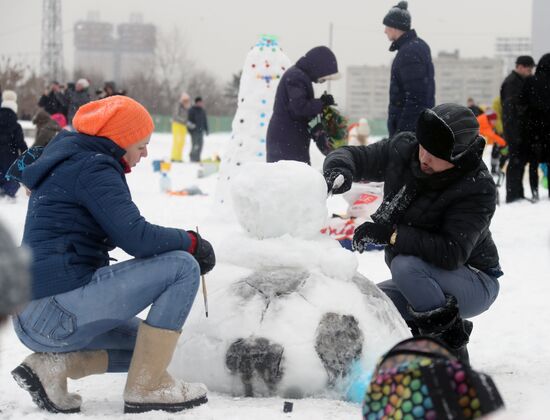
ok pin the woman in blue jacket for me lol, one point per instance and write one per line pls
(82, 317)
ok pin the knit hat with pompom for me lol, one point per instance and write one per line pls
(398, 17)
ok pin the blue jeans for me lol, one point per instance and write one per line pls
(102, 314)
(423, 286)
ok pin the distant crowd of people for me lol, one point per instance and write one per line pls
(519, 128)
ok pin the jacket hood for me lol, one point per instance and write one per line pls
(41, 117)
(63, 147)
(318, 62)
(7, 117)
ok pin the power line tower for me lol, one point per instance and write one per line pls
(51, 57)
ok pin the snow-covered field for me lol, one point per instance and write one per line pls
(510, 342)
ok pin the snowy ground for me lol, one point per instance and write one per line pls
(510, 342)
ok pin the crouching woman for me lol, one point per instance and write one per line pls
(82, 317)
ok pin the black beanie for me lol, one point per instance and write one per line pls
(398, 17)
(525, 60)
(447, 131)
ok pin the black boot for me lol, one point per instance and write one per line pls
(446, 324)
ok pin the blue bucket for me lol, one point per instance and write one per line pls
(156, 165)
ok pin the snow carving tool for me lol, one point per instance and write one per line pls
(338, 181)
(204, 292)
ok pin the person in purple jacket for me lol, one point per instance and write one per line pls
(82, 316)
(288, 133)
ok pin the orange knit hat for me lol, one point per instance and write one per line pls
(119, 118)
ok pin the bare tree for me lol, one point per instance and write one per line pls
(206, 85)
(173, 66)
(26, 83)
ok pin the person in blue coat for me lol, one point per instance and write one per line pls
(288, 133)
(82, 316)
(412, 84)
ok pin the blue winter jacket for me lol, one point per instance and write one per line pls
(412, 85)
(80, 209)
(288, 135)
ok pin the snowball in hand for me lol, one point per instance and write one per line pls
(274, 199)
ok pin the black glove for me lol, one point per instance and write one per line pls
(371, 233)
(204, 253)
(319, 136)
(327, 99)
(331, 175)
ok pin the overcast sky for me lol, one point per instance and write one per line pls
(219, 33)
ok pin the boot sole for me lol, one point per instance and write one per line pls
(130, 407)
(30, 382)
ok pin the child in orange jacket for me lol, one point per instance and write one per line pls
(487, 122)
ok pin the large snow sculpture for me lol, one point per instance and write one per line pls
(263, 67)
(289, 314)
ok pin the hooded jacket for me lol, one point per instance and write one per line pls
(12, 140)
(46, 128)
(80, 208)
(412, 84)
(288, 135)
(447, 222)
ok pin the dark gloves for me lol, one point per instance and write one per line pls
(331, 175)
(371, 233)
(319, 136)
(327, 99)
(203, 253)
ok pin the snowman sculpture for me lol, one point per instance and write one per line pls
(264, 65)
(289, 314)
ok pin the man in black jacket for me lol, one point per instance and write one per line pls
(51, 100)
(509, 97)
(197, 123)
(412, 84)
(439, 199)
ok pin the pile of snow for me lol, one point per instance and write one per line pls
(294, 203)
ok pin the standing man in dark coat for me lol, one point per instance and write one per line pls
(288, 134)
(412, 84)
(52, 101)
(511, 115)
(535, 124)
(197, 123)
(439, 199)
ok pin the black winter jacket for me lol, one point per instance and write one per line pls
(447, 224)
(53, 103)
(509, 96)
(412, 84)
(197, 117)
(12, 141)
(535, 123)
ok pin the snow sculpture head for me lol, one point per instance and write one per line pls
(274, 199)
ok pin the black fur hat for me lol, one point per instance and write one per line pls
(398, 17)
(447, 131)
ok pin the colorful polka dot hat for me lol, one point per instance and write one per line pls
(419, 378)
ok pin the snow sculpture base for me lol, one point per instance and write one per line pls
(288, 315)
